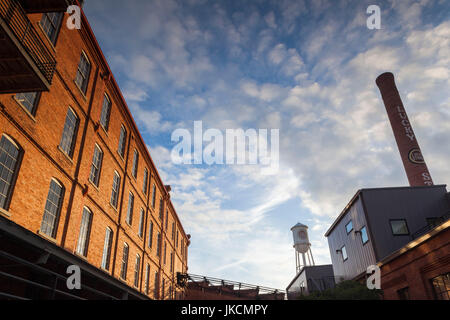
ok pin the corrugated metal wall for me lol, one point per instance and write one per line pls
(359, 256)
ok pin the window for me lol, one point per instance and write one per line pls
(50, 23)
(165, 252)
(83, 72)
(154, 197)
(150, 235)
(106, 112)
(364, 237)
(171, 261)
(403, 294)
(399, 227)
(96, 166)
(161, 208)
(136, 270)
(123, 271)
(129, 219)
(167, 219)
(122, 141)
(145, 186)
(141, 223)
(29, 101)
(115, 190)
(349, 227)
(163, 289)
(176, 242)
(52, 209)
(135, 163)
(67, 143)
(158, 245)
(155, 288)
(10, 157)
(344, 253)
(107, 249)
(147, 279)
(173, 231)
(85, 230)
(441, 286)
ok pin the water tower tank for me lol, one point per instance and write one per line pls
(301, 240)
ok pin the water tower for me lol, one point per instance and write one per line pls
(302, 247)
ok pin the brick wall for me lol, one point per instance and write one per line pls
(415, 268)
(39, 137)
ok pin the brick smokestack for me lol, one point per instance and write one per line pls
(413, 161)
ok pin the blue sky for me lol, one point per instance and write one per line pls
(307, 68)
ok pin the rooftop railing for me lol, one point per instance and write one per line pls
(431, 225)
(14, 16)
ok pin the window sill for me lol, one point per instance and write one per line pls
(29, 114)
(80, 256)
(46, 237)
(95, 187)
(114, 208)
(65, 154)
(5, 213)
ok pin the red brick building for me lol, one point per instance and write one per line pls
(420, 270)
(74, 168)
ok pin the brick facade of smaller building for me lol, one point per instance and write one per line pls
(420, 270)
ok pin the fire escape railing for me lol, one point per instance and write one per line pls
(14, 16)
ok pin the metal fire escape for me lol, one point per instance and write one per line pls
(26, 63)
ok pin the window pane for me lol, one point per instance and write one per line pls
(150, 235)
(349, 227)
(154, 197)
(52, 209)
(84, 232)
(135, 163)
(50, 23)
(122, 141)
(141, 223)
(9, 157)
(399, 227)
(136, 270)
(68, 136)
(364, 236)
(106, 111)
(123, 272)
(28, 100)
(115, 190)
(144, 188)
(344, 253)
(82, 76)
(130, 209)
(96, 166)
(107, 249)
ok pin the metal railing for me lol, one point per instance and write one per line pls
(431, 226)
(15, 17)
(238, 287)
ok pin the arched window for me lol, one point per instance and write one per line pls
(85, 230)
(52, 209)
(123, 271)
(10, 158)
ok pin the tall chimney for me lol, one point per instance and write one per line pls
(413, 161)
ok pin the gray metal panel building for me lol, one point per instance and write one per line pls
(375, 208)
(311, 278)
